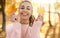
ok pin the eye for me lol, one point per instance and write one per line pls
(28, 8)
(22, 7)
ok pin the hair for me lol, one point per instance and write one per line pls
(26, 1)
(31, 19)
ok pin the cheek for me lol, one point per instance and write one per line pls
(30, 14)
(20, 14)
(20, 10)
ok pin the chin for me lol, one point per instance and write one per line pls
(24, 18)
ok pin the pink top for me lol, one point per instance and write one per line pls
(17, 30)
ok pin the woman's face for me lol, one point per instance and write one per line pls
(25, 10)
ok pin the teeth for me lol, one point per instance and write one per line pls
(24, 14)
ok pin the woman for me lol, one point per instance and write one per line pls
(22, 29)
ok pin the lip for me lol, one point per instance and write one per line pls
(24, 14)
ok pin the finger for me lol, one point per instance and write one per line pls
(39, 17)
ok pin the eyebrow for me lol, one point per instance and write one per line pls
(22, 6)
(28, 6)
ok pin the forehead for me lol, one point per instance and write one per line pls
(26, 4)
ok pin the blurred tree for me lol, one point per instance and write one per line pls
(2, 32)
(58, 8)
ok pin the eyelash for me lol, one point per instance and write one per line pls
(27, 8)
(22, 8)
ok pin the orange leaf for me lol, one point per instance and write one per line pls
(11, 9)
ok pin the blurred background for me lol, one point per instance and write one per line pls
(49, 9)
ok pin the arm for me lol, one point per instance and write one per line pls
(38, 23)
(8, 31)
(36, 27)
(13, 31)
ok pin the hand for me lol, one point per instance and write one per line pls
(37, 26)
(13, 18)
(38, 22)
(39, 18)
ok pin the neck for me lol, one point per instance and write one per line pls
(24, 21)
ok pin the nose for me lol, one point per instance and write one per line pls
(25, 10)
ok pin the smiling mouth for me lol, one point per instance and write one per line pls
(24, 14)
